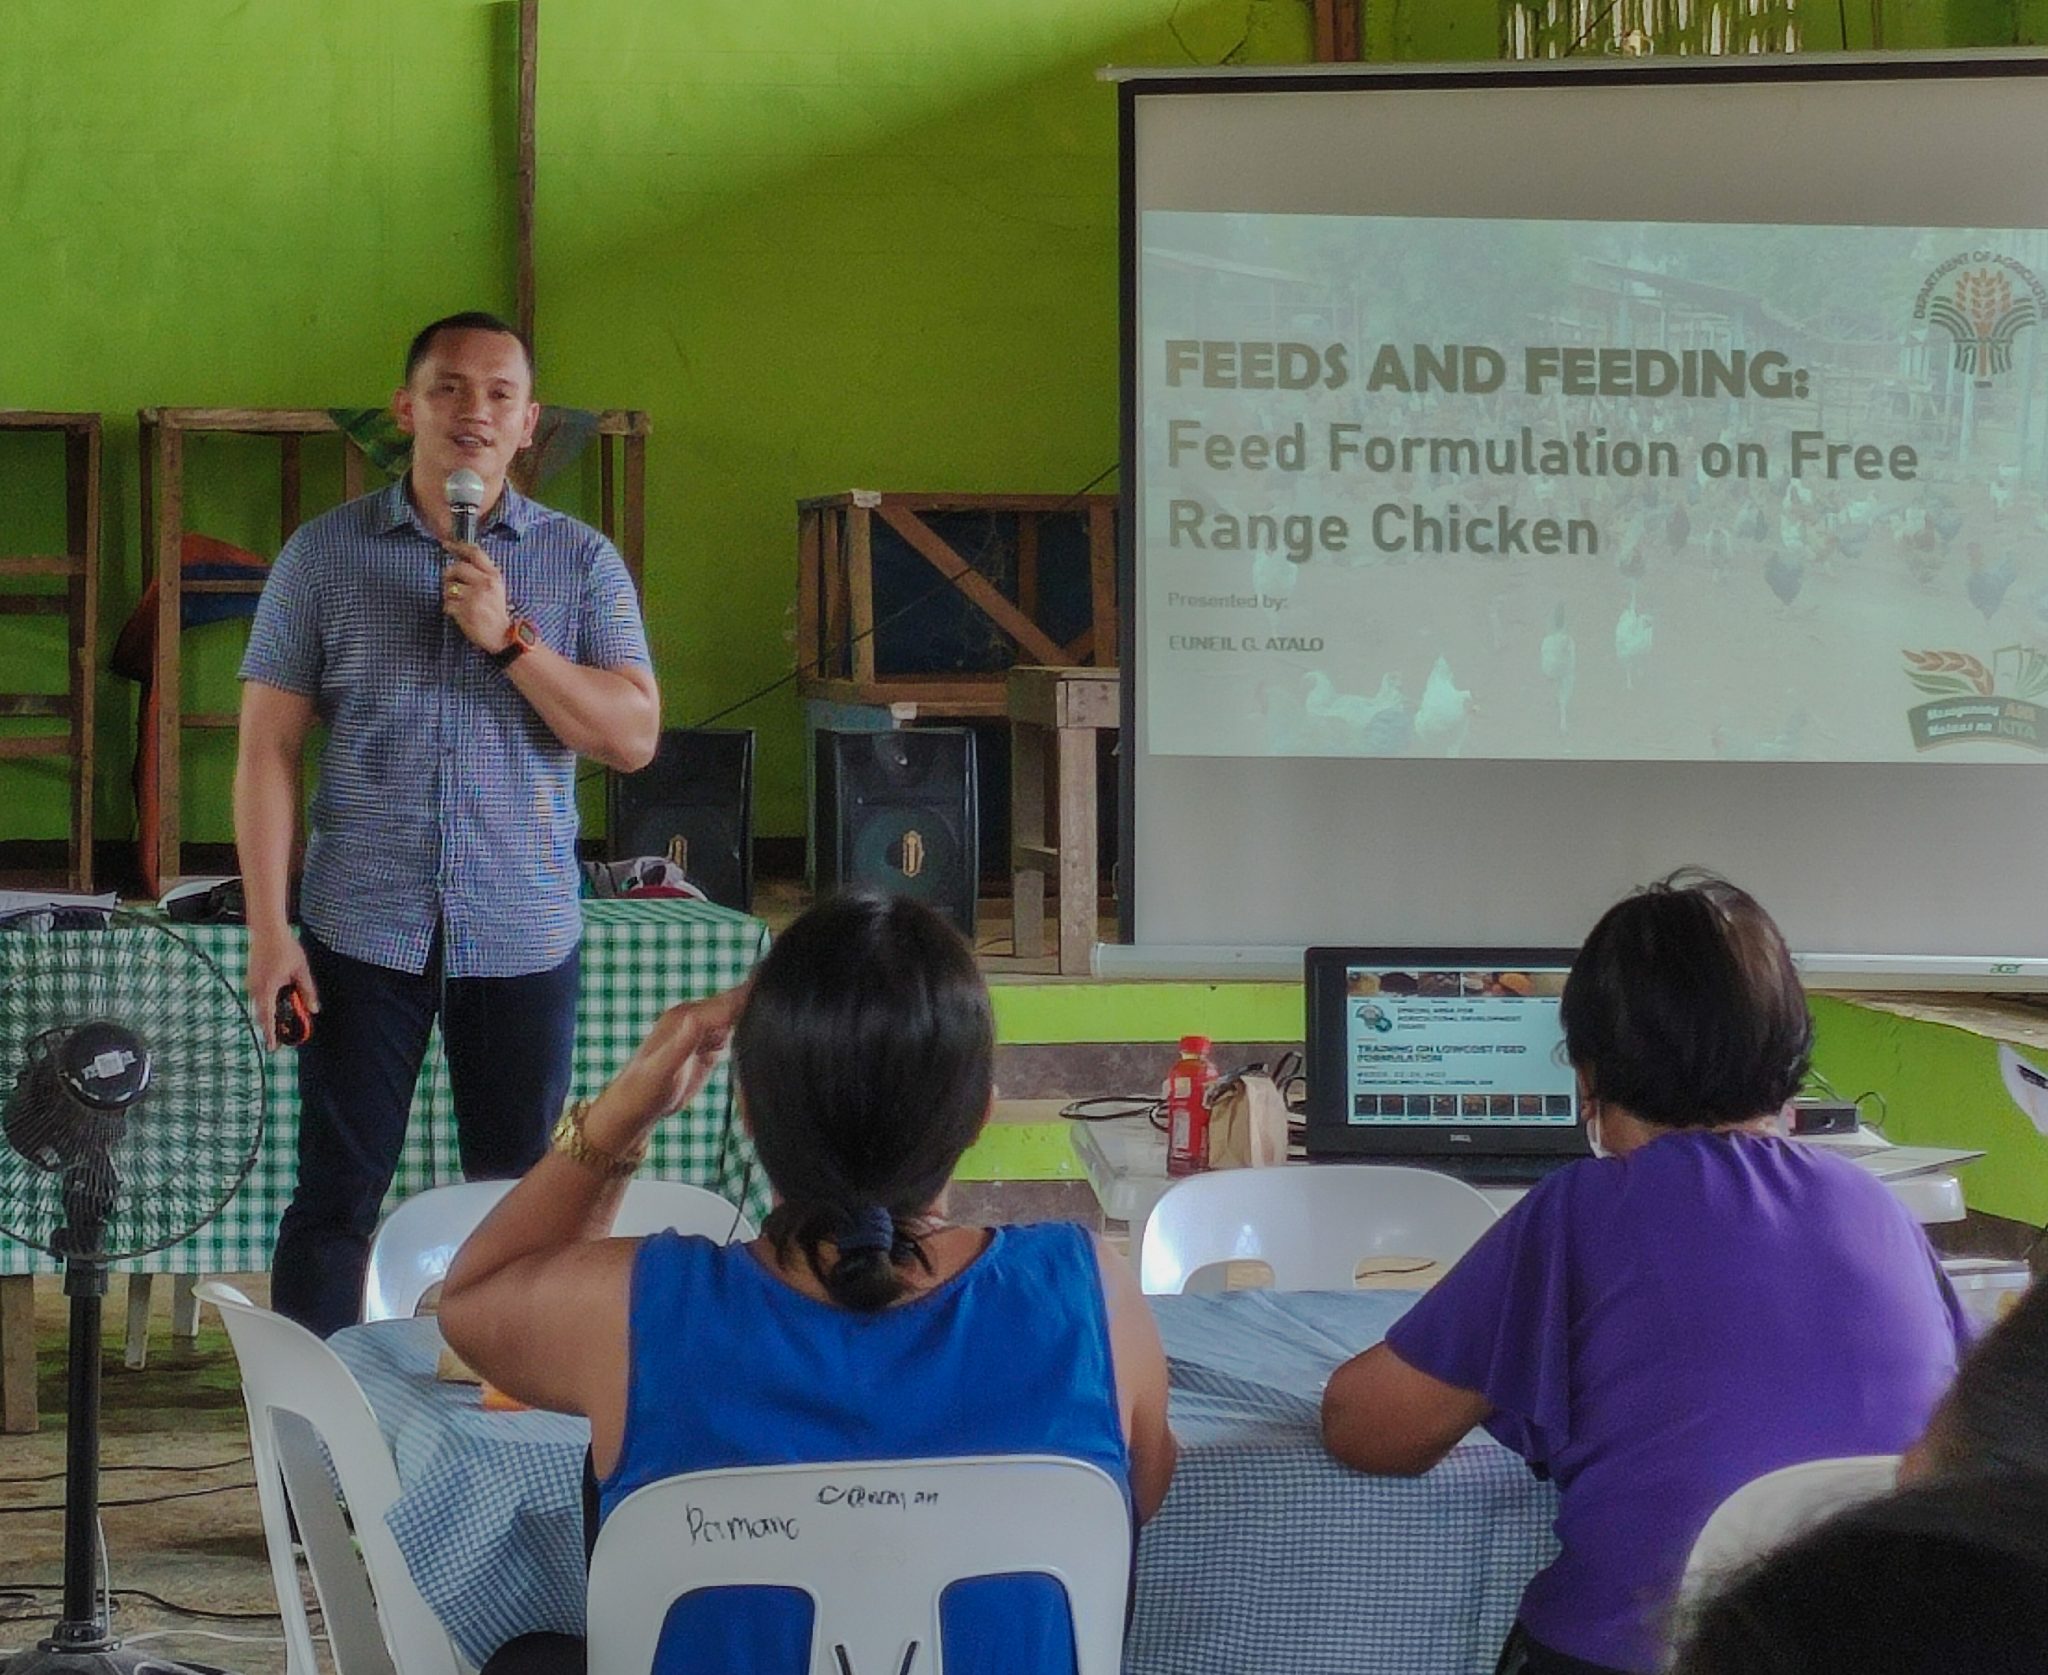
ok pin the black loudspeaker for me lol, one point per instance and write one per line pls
(699, 792)
(896, 812)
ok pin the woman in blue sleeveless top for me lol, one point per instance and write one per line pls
(861, 1324)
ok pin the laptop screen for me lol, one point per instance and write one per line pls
(1438, 1051)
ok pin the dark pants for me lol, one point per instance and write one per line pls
(1525, 1655)
(508, 1041)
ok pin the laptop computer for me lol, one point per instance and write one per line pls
(1442, 1058)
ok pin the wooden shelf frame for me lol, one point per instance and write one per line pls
(78, 567)
(622, 485)
(835, 608)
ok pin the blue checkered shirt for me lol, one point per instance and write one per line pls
(443, 798)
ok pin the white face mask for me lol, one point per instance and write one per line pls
(1593, 1132)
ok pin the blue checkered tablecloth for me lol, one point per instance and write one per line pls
(1267, 1558)
(639, 958)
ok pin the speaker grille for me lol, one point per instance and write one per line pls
(698, 793)
(896, 813)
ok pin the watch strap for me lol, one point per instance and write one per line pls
(520, 638)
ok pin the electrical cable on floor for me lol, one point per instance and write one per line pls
(142, 1500)
(126, 1465)
(25, 1593)
(207, 1634)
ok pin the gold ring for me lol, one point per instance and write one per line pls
(454, 590)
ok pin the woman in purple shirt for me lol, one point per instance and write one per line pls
(1698, 1304)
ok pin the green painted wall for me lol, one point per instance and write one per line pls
(1941, 1087)
(1938, 1085)
(823, 243)
(219, 203)
(826, 243)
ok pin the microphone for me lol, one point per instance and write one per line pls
(465, 492)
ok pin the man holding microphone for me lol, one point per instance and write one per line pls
(463, 646)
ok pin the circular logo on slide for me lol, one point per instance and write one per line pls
(1983, 300)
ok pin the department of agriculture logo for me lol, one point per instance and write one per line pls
(1968, 705)
(1984, 301)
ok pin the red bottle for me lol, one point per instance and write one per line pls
(1187, 1107)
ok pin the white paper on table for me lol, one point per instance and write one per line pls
(2027, 1083)
(41, 901)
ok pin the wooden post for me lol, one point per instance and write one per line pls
(17, 1352)
(1102, 582)
(1074, 762)
(634, 547)
(166, 541)
(810, 564)
(1028, 837)
(1337, 31)
(830, 659)
(1350, 32)
(860, 594)
(529, 76)
(82, 540)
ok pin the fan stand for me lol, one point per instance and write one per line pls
(83, 1641)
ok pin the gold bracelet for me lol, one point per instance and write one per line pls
(570, 1140)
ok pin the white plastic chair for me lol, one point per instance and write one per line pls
(1312, 1224)
(301, 1399)
(1779, 1506)
(413, 1250)
(874, 1545)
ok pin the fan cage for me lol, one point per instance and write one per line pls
(176, 1155)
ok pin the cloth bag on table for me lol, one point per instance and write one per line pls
(1248, 1124)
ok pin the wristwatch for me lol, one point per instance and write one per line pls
(568, 1139)
(520, 638)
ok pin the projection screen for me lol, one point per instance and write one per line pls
(1540, 479)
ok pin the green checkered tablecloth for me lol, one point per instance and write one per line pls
(639, 958)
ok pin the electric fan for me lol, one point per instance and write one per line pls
(133, 1083)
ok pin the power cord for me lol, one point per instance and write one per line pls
(1286, 1073)
(126, 1465)
(12, 1593)
(141, 1500)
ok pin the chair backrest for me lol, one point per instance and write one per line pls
(1779, 1506)
(413, 1250)
(1312, 1224)
(874, 1544)
(310, 1432)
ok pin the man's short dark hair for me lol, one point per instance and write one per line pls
(475, 320)
(1684, 1007)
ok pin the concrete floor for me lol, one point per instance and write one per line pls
(175, 1428)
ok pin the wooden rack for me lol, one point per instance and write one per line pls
(78, 566)
(622, 466)
(836, 617)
